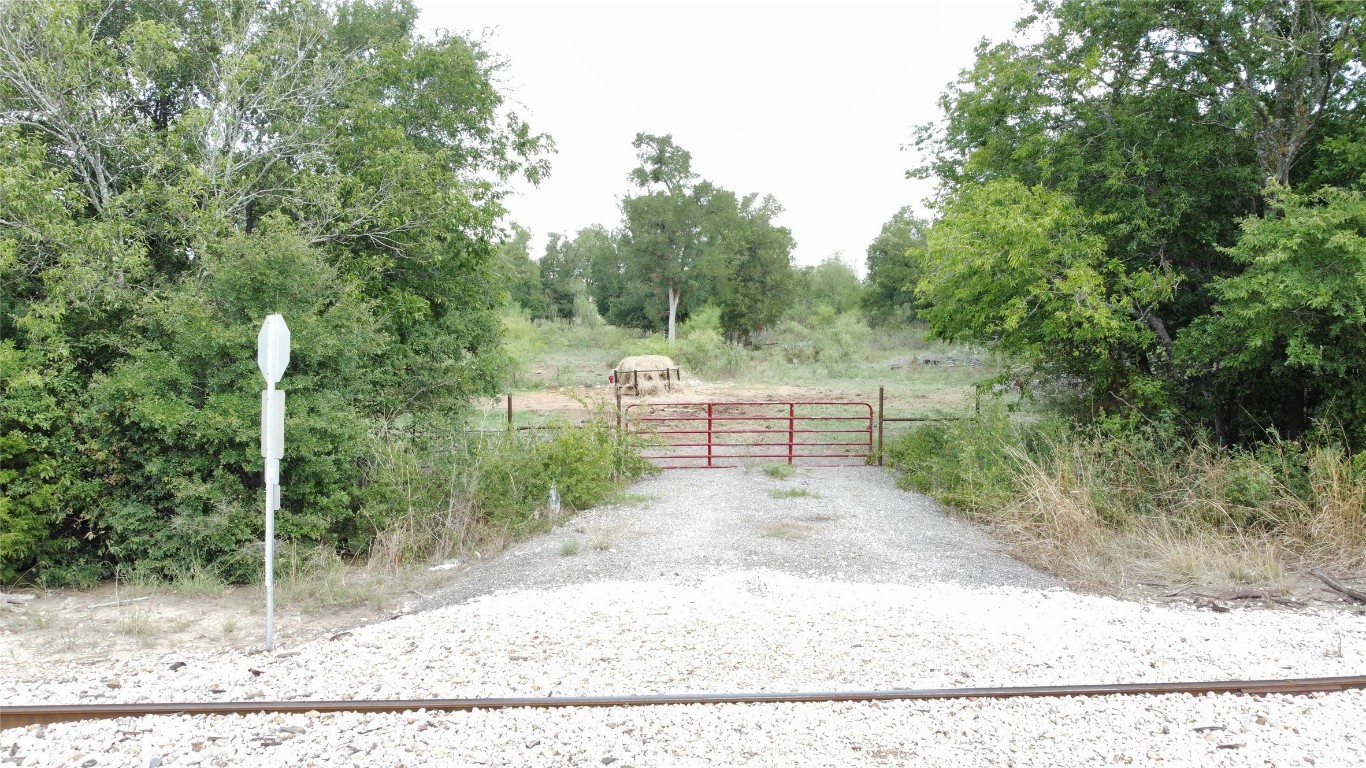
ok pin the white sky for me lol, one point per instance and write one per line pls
(808, 101)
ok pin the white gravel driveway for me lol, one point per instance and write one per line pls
(715, 585)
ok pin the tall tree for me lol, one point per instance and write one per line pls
(662, 236)
(523, 274)
(749, 263)
(894, 261)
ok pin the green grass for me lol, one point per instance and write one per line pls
(779, 471)
(623, 499)
(570, 548)
(921, 378)
(197, 581)
(789, 493)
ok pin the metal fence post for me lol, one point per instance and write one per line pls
(881, 401)
(509, 410)
(791, 432)
(709, 431)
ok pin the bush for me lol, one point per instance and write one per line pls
(586, 464)
(41, 470)
(970, 464)
(428, 504)
(175, 425)
(705, 352)
(834, 340)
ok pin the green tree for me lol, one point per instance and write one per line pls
(523, 274)
(1287, 336)
(662, 236)
(748, 263)
(155, 153)
(686, 243)
(1159, 122)
(894, 265)
(831, 283)
(1024, 267)
(567, 266)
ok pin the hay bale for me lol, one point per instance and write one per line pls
(644, 374)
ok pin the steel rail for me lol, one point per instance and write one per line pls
(20, 715)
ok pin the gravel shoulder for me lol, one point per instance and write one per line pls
(708, 582)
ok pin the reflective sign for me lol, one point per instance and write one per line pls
(272, 348)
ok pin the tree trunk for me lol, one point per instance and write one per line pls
(673, 310)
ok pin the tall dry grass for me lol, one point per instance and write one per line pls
(1331, 526)
(1106, 512)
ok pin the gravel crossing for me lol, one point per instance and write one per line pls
(711, 582)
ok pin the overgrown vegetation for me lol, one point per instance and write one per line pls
(440, 500)
(1160, 205)
(1106, 506)
(1154, 211)
(171, 173)
(1150, 224)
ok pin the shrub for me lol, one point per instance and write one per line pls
(706, 353)
(967, 463)
(41, 470)
(174, 425)
(425, 504)
(586, 464)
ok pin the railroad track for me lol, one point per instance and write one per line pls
(20, 715)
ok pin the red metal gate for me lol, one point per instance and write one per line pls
(714, 435)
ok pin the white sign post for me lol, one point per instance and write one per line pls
(272, 355)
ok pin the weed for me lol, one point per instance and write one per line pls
(317, 579)
(632, 499)
(136, 582)
(137, 625)
(779, 471)
(198, 581)
(789, 493)
(787, 529)
(229, 626)
(434, 502)
(570, 547)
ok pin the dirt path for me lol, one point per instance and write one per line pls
(848, 524)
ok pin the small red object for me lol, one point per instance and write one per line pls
(611, 378)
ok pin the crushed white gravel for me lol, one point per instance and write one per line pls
(741, 630)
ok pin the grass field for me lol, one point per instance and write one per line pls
(561, 371)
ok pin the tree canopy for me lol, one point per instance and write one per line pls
(685, 242)
(894, 261)
(1127, 151)
(170, 173)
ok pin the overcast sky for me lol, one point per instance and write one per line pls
(810, 102)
